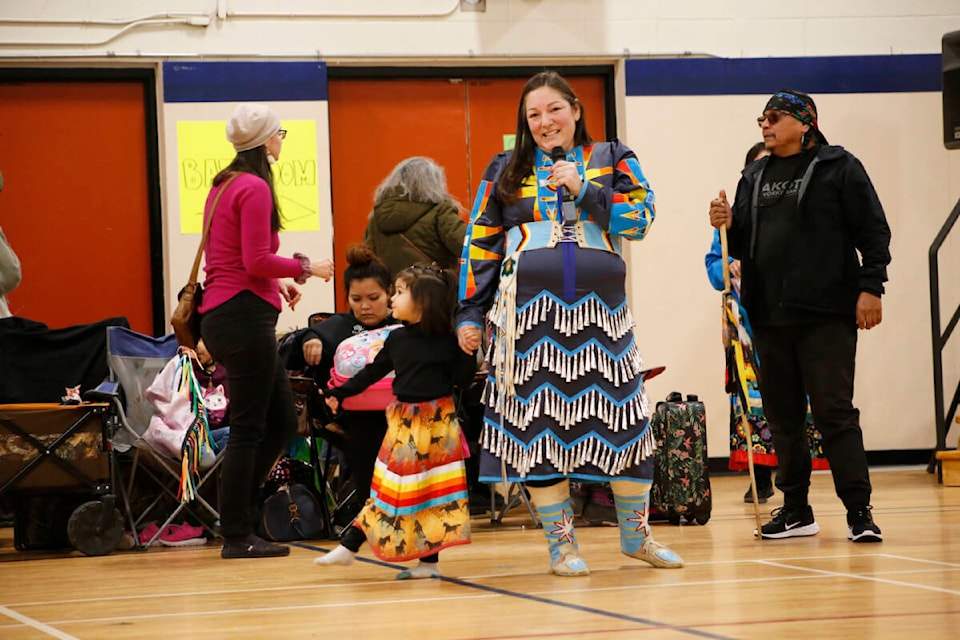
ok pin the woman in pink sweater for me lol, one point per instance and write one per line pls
(243, 295)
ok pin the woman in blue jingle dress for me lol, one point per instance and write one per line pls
(564, 398)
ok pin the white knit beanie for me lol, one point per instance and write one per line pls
(251, 125)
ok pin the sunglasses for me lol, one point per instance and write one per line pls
(773, 117)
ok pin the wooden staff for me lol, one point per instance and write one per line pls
(741, 378)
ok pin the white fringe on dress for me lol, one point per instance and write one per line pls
(587, 358)
(565, 459)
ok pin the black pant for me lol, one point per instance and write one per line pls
(815, 360)
(365, 432)
(241, 336)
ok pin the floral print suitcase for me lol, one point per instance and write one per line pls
(681, 479)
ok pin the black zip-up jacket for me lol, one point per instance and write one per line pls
(838, 214)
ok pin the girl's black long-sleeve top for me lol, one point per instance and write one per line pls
(426, 366)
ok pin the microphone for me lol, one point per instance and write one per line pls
(569, 206)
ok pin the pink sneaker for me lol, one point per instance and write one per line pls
(146, 534)
(182, 535)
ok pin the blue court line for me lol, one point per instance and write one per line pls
(525, 596)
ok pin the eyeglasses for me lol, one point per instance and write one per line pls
(282, 133)
(772, 116)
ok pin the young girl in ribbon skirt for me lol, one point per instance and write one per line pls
(418, 504)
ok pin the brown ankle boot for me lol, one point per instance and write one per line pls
(252, 546)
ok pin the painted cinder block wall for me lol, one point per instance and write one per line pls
(691, 144)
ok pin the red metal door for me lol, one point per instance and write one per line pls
(460, 122)
(75, 203)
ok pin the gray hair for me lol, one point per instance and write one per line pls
(419, 178)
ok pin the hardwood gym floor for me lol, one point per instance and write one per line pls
(498, 587)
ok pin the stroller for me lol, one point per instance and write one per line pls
(56, 462)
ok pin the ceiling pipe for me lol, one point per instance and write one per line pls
(389, 9)
(99, 21)
(192, 21)
(395, 10)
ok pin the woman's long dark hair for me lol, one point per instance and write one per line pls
(520, 164)
(254, 161)
(433, 290)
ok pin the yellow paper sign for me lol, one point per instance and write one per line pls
(203, 151)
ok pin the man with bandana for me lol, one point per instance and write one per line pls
(797, 223)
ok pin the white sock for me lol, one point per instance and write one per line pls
(341, 556)
(422, 570)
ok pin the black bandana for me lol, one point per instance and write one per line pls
(799, 105)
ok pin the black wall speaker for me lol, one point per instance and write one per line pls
(951, 89)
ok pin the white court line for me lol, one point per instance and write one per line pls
(707, 563)
(33, 624)
(768, 561)
(776, 562)
(856, 576)
(937, 562)
(843, 556)
(513, 574)
(810, 574)
(221, 612)
(692, 583)
(191, 594)
(712, 583)
(473, 578)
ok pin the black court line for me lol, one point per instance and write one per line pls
(541, 600)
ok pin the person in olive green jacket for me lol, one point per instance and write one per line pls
(414, 219)
(10, 269)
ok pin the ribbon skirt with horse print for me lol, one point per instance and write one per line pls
(418, 499)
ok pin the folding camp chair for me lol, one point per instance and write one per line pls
(134, 361)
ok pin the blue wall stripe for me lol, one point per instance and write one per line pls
(735, 76)
(244, 81)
